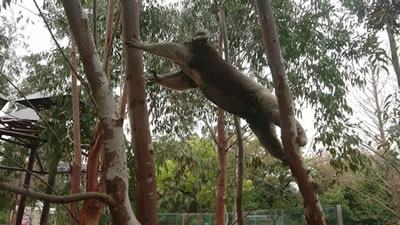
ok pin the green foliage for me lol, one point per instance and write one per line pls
(9, 61)
(186, 179)
(375, 14)
(365, 198)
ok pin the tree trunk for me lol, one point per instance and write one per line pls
(378, 109)
(146, 190)
(76, 164)
(92, 208)
(115, 163)
(393, 49)
(108, 40)
(240, 168)
(221, 145)
(312, 206)
(27, 181)
(221, 180)
(44, 218)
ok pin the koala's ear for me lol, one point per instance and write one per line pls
(201, 36)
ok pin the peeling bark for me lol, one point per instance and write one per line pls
(115, 163)
(92, 208)
(312, 206)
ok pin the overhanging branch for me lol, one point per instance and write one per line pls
(107, 199)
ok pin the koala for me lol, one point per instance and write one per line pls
(221, 83)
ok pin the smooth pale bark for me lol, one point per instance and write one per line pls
(76, 164)
(115, 163)
(146, 190)
(92, 208)
(312, 206)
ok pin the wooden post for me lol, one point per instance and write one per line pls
(27, 181)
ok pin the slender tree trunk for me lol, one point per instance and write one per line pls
(44, 218)
(222, 151)
(146, 190)
(240, 155)
(27, 181)
(92, 208)
(115, 163)
(240, 168)
(378, 110)
(222, 175)
(312, 206)
(108, 37)
(393, 49)
(76, 164)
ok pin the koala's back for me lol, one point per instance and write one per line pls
(223, 84)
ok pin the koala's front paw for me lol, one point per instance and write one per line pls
(134, 44)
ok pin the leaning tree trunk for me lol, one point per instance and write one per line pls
(115, 163)
(92, 209)
(146, 190)
(312, 206)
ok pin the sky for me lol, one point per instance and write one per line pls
(33, 30)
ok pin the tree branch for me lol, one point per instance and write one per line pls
(107, 199)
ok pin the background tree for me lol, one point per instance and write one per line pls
(380, 16)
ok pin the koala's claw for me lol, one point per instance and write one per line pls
(134, 43)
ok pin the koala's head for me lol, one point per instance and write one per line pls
(201, 36)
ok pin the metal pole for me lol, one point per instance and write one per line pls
(338, 211)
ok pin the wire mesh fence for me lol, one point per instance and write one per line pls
(259, 217)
